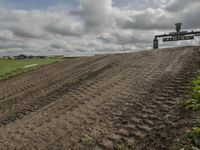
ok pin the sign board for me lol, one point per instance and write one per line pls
(175, 36)
(178, 33)
(178, 38)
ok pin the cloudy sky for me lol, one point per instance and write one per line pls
(82, 27)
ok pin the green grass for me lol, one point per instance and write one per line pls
(10, 68)
(194, 102)
(194, 136)
(193, 140)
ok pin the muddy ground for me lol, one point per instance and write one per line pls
(102, 102)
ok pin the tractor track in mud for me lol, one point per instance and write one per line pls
(99, 102)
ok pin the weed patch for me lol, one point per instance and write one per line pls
(194, 102)
(193, 136)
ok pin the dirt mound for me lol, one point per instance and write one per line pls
(102, 102)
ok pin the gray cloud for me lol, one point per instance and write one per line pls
(63, 30)
(149, 19)
(126, 37)
(180, 5)
(11, 45)
(96, 15)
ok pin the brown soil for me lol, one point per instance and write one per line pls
(100, 102)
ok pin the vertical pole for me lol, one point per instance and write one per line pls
(199, 41)
(155, 43)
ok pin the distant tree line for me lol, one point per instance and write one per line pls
(22, 56)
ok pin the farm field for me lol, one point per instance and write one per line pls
(120, 101)
(9, 68)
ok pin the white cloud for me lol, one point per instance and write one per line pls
(97, 15)
(180, 5)
(94, 27)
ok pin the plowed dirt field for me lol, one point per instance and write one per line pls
(102, 102)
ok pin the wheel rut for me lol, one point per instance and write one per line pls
(100, 102)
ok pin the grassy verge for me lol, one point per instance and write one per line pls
(191, 139)
(193, 104)
(9, 68)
